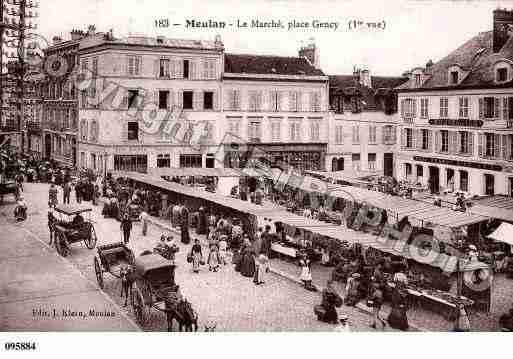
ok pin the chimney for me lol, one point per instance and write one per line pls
(56, 40)
(429, 65)
(502, 26)
(76, 34)
(91, 30)
(311, 53)
(365, 78)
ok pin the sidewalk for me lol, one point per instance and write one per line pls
(41, 291)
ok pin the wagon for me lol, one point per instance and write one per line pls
(154, 287)
(111, 258)
(71, 227)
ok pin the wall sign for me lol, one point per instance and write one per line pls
(482, 166)
(460, 122)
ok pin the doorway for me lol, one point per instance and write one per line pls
(434, 179)
(388, 164)
(489, 184)
(48, 146)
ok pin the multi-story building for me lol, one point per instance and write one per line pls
(457, 116)
(278, 105)
(364, 123)
(160, 102)
(60, 99)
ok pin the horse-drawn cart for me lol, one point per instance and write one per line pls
(70, 227)
(114, 258)
(154, 287)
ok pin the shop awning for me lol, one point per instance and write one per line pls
(190, 172)
(504, 233)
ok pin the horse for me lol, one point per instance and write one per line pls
(183, 313)
(126, 274)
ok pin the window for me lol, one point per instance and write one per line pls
(255, 101)
(489, 184)
(187, 100)
(355, 159)
(186, 70)
(356, 134)
(314, 130)
(444, 107)
(276, 130)
(337, 103)
(409, 137)
(372, 161)
(295, 131)
(502, 74)
(407, 169)
(409, 108)
(295, 101)
(208, 100)
(134, 65)
(85, 65)
(83, 95)
(454, 77)
(444, 136)
(490, 145)
(425, 139)
(234, 127)
(424, 104)
(164, 68)
(93, 160)
(315, 101)
(254, 129)
(209, 69)
(488, 107)
(463, 107)
(417, 80)
(464, 181)
(133, 96)
(275, 101)
(372, 134)
(465, 145)
(163, 100)
(133, 131)
(234, 100)
(420, 171)
(190, 161)
(339, 134)
(389, 134)
(163, 160)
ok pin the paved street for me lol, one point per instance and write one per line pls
(34, 276)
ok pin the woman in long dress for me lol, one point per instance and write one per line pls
(213, 258)
(397, 318)
(306, 272)
(247, 265)
(197, 256)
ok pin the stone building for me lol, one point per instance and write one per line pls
(457, 116)
(364, 123)
(158, 102)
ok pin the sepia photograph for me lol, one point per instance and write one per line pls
(260, 166)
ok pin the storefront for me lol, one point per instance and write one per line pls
(303, 157)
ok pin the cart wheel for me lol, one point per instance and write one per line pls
(90, 242)
(59, 241)
(98, 271)
(138, 306)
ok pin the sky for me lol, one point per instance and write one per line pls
(414, 31)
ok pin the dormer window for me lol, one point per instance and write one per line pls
(454, 77)
(502, 74)
(417, 80)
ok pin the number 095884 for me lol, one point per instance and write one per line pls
(20, 346)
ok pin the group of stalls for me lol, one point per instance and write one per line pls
(298, 233)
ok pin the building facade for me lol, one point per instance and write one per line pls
(157, 102)
(364, 123)
(457, 117)
(60, 100)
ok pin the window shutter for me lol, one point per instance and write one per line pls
(414, 139)
(481, 107)
(124, 130)
(496, 107)
(179, 69)
(453, 142)
(438, 141)
(292, 101)
(403, 138)
(156, 68)
(402, 108)
(470, 148)
(430, 140)
(198, 100)
(505, 108)
(124, 103)
(227, 99)
(504, 147)
(497, 145)
(414, 108)
(279, 99)
(299, 101)
(170, 100)
(192, 69)
(179, 99)
(507, 147)
(205, 69)
(480, 146)
(460, 101)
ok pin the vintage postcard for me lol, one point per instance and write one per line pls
(257, 166)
